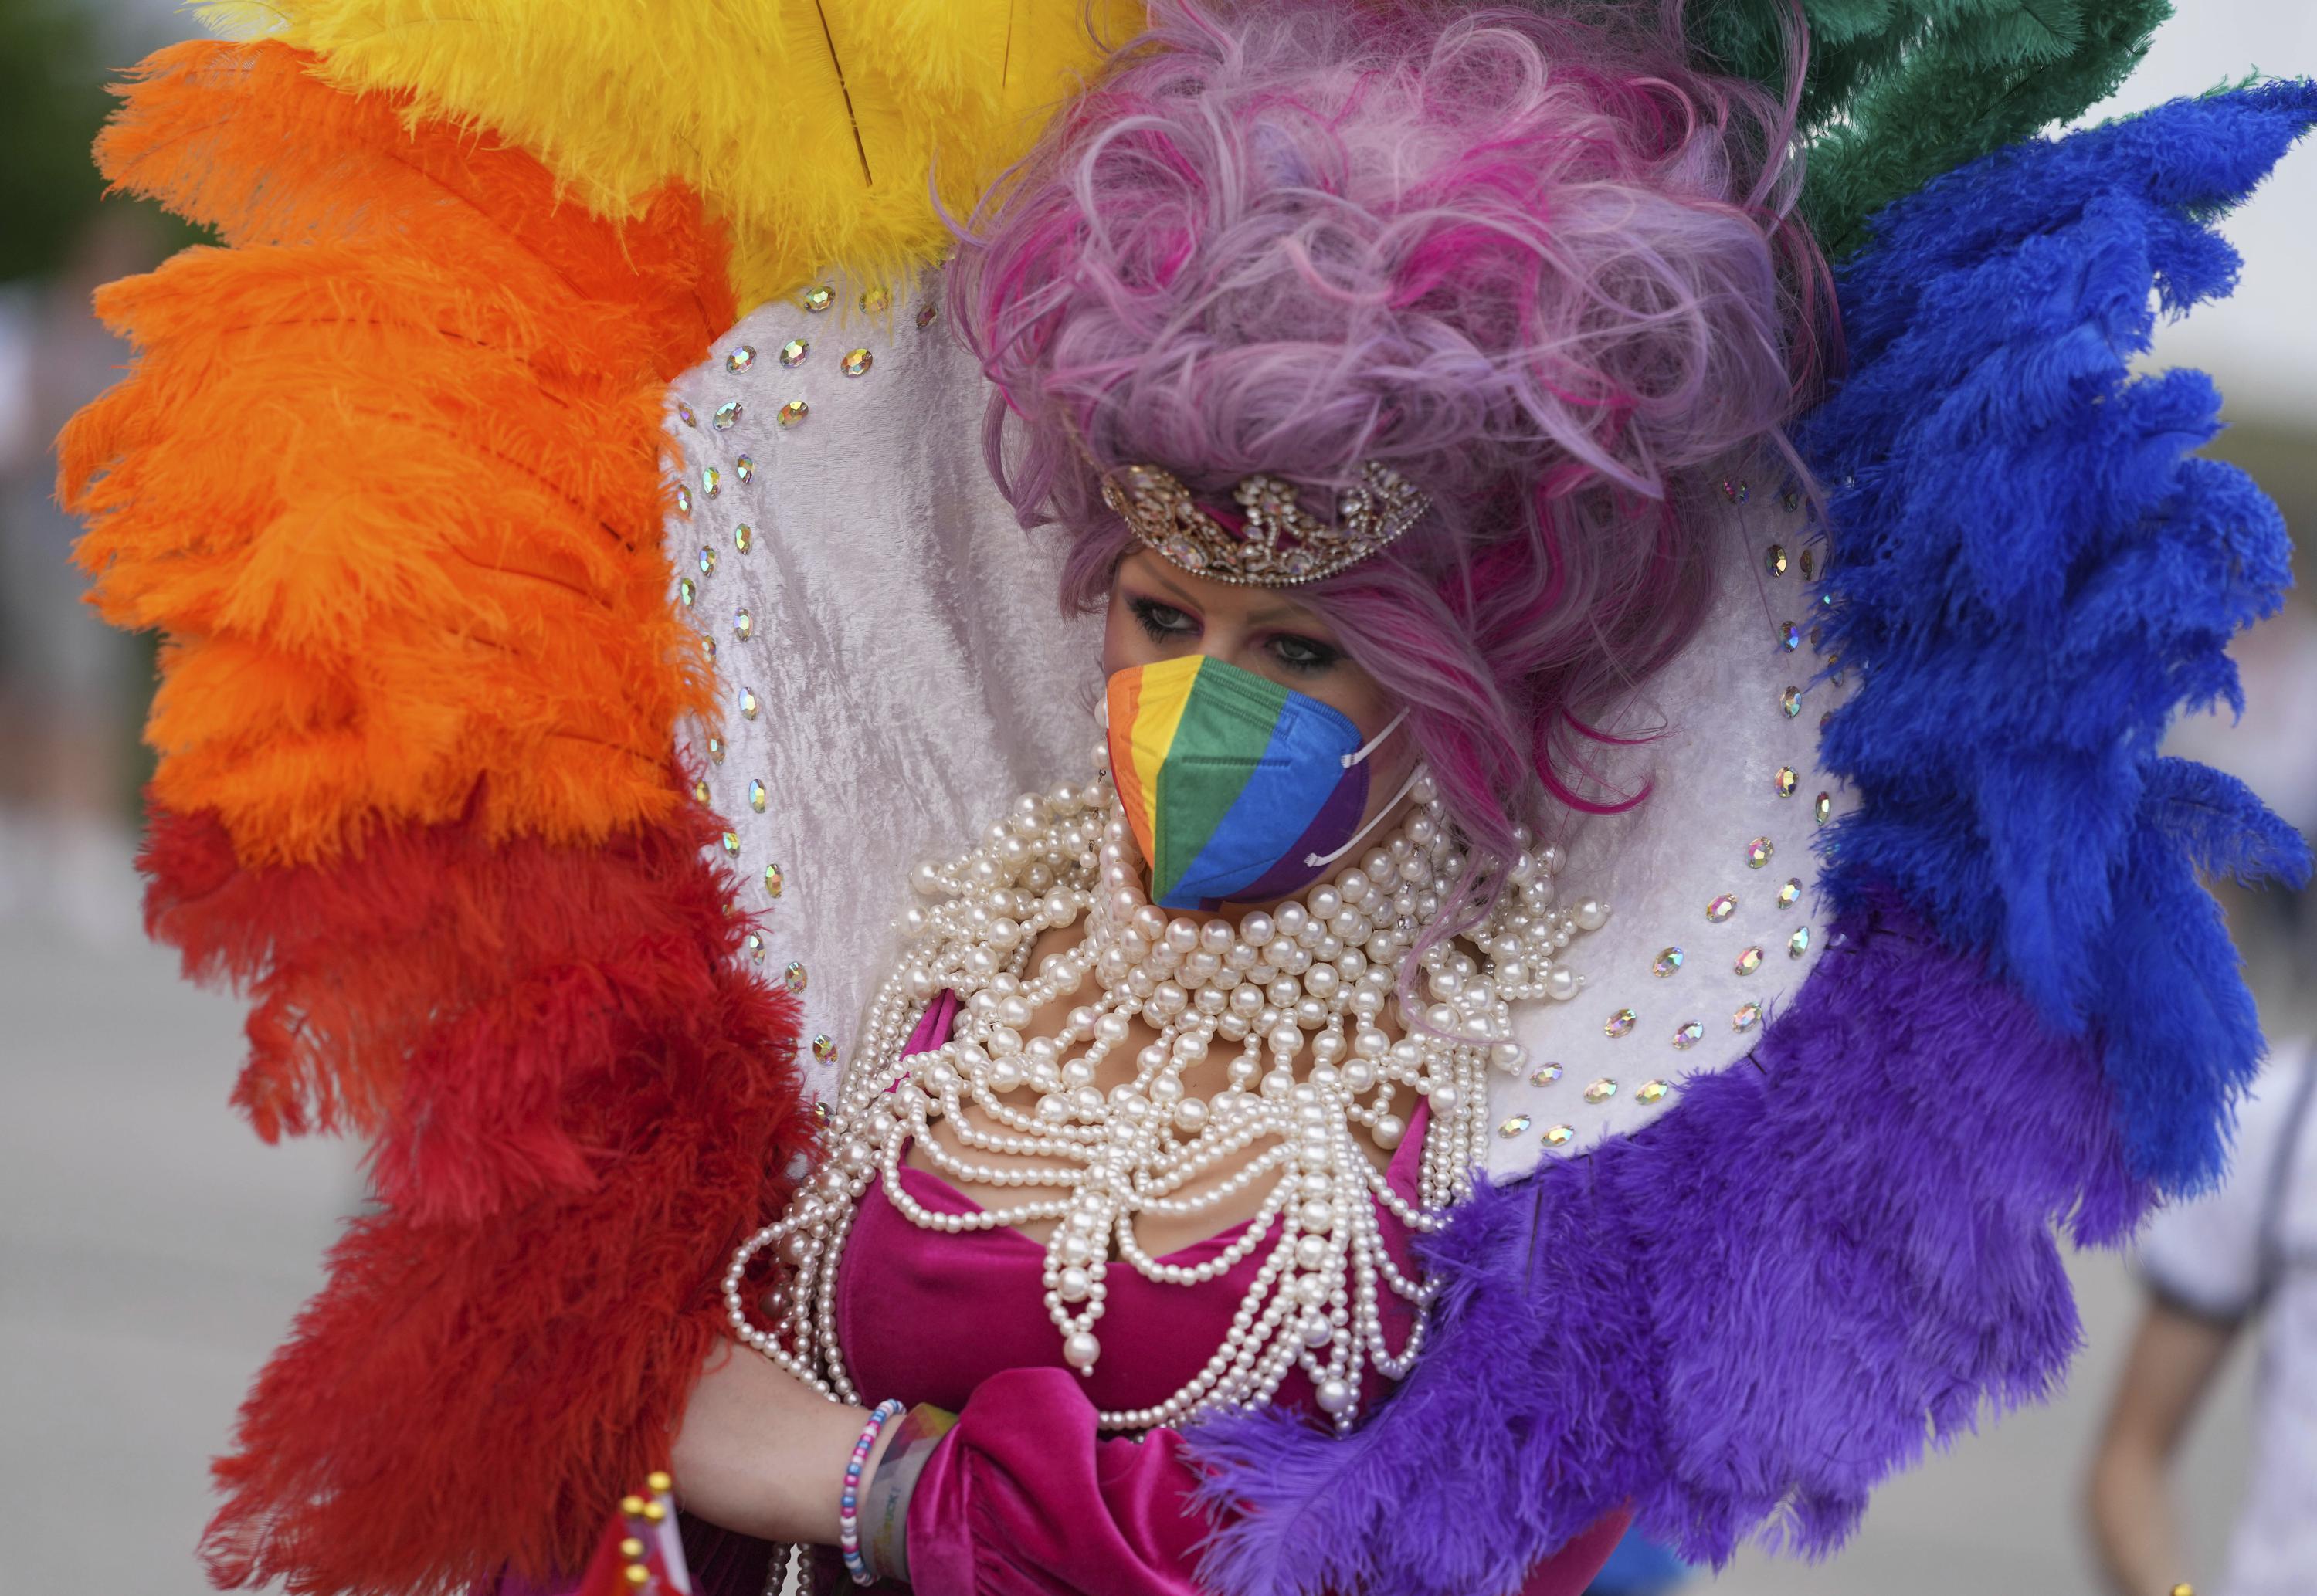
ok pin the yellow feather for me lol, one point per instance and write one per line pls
(812, 128)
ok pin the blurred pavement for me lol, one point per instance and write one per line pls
(152, 1252)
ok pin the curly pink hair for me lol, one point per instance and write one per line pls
(1542, 265)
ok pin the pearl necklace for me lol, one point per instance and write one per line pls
(1281, 985)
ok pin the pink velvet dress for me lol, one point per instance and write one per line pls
(1023, 1497)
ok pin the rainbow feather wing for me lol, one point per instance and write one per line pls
(390, 476)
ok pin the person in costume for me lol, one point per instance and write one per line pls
(1178, 1063)
(1597, 941)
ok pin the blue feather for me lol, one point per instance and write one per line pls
(2034, 573)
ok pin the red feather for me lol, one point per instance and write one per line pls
(597, 1106)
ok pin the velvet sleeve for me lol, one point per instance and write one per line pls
(1022, 1497)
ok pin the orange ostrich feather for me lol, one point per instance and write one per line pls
(390, 473)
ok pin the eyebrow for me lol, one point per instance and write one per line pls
(1265, 616)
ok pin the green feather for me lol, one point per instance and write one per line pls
(1900, 91)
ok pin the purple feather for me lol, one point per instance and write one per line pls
(1750, 1312)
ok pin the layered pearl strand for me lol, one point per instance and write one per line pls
(1311, 979)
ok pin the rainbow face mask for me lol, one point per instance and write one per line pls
(1237, 788)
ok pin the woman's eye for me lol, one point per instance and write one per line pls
(1162, 621)
(1301, 654)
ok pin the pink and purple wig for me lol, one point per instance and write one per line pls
(1541, 264)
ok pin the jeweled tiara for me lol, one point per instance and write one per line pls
(1279, 544)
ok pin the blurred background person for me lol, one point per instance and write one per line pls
(2239, 1262)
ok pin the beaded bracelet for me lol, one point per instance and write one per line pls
(848, 1500)
(909, 1444)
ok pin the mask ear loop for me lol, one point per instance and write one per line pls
(1372, 743)
(1313, 861)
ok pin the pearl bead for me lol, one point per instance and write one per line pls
(1081, 1350)
(1334, 1396)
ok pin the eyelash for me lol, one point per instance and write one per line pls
(1164, 623)
(1147, 613)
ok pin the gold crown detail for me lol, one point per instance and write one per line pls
(1281, 544)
